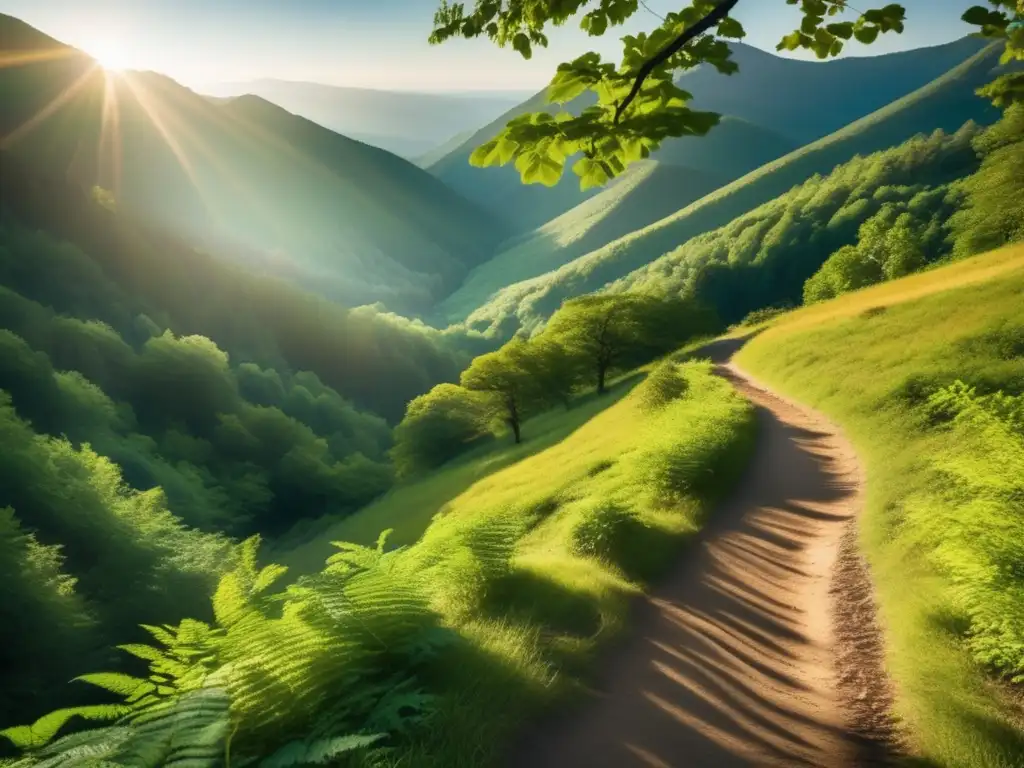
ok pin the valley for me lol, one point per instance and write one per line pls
(329, 440)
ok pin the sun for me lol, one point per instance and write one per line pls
(109, 53)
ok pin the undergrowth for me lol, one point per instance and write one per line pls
(429, 654)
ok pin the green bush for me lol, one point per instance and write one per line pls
(664, 384)
(600, 531)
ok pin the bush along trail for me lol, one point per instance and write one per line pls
(732, 661)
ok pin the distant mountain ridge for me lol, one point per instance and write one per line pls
(946, 103)
(408, 123)
(350, 221)
(799, 100)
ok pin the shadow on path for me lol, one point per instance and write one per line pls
(729, 661)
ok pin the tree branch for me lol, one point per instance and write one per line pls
(712, 19)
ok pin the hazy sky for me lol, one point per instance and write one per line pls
(370, 43)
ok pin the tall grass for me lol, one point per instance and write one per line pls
(430, 654)
(926, 375)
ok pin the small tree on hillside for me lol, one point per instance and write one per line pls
(437, 427)
(599, 330)
(556, 371)
(506, 377)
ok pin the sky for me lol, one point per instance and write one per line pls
(375, 43)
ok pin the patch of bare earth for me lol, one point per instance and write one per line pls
(761, 648)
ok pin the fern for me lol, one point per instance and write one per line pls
(318, 752)
(47, 726)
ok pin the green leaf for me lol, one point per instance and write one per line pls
(115, 682)
(729, 27)
(842, 30)
(522, 44)
(268, 576)
(297, 753)
(46, 727)
(866, 35)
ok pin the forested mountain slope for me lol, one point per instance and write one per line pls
(686, 170)
(946, 104)
(406, 123)
(801, 101)
(345, 219)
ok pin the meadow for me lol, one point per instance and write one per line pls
(937, 423)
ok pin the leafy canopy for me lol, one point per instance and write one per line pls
(636, 103)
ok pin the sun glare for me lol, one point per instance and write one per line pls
(109, 54)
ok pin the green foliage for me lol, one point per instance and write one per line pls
(662, 385)
(638, 104)
(437, 427)
(600, 530)
(379, 650)
(990, 216)
(980, 212)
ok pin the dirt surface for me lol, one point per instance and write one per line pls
(761, 649)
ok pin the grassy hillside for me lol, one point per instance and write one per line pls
(797, 100)
(342, 218)
(405, 123)
(943, 104)
(942, 526)
(685, 171)
(449, 645)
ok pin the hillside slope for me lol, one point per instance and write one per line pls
(685, 171)
(802, 101)
(406, 123)
(348, 220)
(946, 104)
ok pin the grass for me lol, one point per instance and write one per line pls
(409, 508)
(633, 484)
(941, 496)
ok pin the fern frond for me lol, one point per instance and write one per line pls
(318, 752)
(123, 685)
(46, 727)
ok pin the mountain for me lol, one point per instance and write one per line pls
(685, 171)
(406, 123)
(947, 103)
(242, 175)
(801, 101)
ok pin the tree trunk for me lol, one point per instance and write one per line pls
(513, 419)
(602, 370)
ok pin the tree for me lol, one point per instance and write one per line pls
(437, 427)
(638, 104)
(904, 254)
(556, 371)
(508, 376)
(599, 330)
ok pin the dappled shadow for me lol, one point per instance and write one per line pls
(728, 663)
(527, 596)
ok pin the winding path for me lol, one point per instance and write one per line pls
(736, 660)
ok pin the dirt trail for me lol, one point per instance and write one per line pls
(740, 658)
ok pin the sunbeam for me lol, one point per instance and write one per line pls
(47, 111)
(152, 111)
(109, 149)
(22, 58)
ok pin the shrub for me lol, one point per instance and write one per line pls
(600, 531)
(664, 384)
